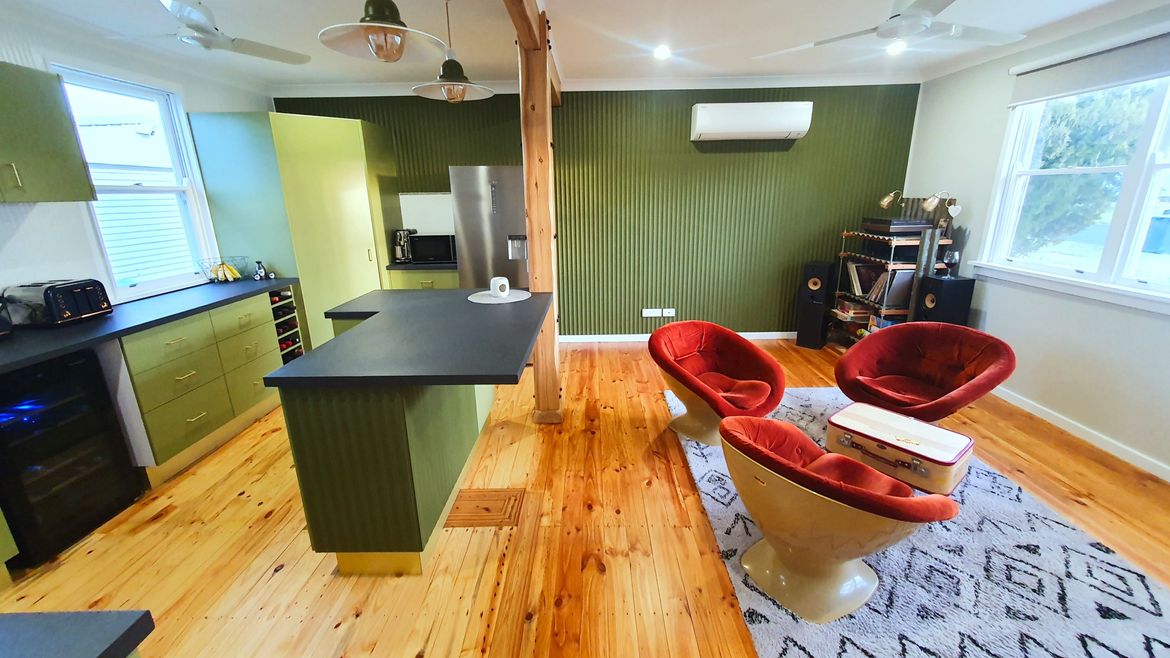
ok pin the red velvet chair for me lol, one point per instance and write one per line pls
(820, 513)
(928, 370)
(716, 373)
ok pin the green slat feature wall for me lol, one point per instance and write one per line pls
(376, 465)
(646, 218)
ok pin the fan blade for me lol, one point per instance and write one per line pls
(974, 34)
(192, 14)
(805, 46)
(265, 51)
(932, 7)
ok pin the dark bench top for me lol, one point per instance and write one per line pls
(422, 337)
(94, 634)
(29, 345)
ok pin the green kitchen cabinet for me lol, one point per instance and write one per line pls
(302, 194)
(40, 154)
(152, 348)
(181, 422)
(7, 543)
(415, 279)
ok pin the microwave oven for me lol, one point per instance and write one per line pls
(432, 248)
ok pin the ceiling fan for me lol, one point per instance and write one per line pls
(912, 22)
(199, 29)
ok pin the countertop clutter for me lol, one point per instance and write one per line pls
(422, 337)
(29, 345)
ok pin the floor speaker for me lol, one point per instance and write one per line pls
(814, 297)
(942, 299)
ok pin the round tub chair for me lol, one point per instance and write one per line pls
(927, 370)
(716, 373)
(820, 513)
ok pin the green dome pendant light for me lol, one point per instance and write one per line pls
(452, 84)
(379, 35)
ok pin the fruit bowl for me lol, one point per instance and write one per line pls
(226, 269)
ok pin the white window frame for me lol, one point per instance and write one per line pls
(182, 146)
(1113, 281)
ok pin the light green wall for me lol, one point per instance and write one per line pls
(238, 160)
(1084, 373)
(646, 218)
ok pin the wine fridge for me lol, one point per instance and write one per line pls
(64, 465)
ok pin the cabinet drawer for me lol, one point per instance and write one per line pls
(241, 316)
(412, 279)
(242, 348)
(183, 421)
(246, 384)
(160, 385)
(154, 347)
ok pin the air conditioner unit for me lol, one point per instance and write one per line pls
(723, 121)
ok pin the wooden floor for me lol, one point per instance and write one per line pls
(612, 554)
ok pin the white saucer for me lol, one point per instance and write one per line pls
(486, 297)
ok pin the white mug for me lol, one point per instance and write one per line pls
(499, 286)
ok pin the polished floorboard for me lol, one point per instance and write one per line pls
(611, 556)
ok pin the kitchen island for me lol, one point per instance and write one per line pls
(382, 419)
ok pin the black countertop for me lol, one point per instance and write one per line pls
(422, 337)
(94, 634)
(423, 266)
(29, 345)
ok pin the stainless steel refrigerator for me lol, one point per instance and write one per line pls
(491, 234)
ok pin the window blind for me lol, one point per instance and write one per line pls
(1137, 62)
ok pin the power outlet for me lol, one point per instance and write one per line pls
(651, 312)
(668, 312)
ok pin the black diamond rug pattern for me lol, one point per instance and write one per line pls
(1007, 578)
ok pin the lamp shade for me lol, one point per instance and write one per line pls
(890, 199)
(380, 35)
(452, 85)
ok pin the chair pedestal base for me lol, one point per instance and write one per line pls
(818, 592)
(700, 422)
(703, 430)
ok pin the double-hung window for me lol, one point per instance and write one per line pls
(1086, 182)
(150, 211)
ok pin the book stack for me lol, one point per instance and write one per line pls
(848, 311)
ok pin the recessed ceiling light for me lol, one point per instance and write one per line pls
(662, 52)
(896, 47)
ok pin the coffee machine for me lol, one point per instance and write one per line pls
(402, 245)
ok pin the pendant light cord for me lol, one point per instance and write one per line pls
(447, 6)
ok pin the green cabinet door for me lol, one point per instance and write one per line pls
(7, 543)
(416, 279)
(40, 156)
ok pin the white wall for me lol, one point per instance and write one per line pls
(58, 240)
(1094, 368)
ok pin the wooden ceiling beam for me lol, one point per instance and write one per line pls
(554, 79)
(528, 22)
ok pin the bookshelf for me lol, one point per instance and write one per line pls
(875, 280)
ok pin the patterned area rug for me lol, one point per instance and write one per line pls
(1007, 578)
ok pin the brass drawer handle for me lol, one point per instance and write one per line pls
(251, 346)
(15, 174)
(245, 318)
(176, 341)
(257, 384)
(197, 418)
(186, 376)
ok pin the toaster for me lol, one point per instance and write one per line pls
(58, 302)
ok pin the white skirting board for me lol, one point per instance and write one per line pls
(1106, 443)
(641, 338)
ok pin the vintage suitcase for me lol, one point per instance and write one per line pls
(922, 455)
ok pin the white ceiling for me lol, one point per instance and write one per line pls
(598, 43)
